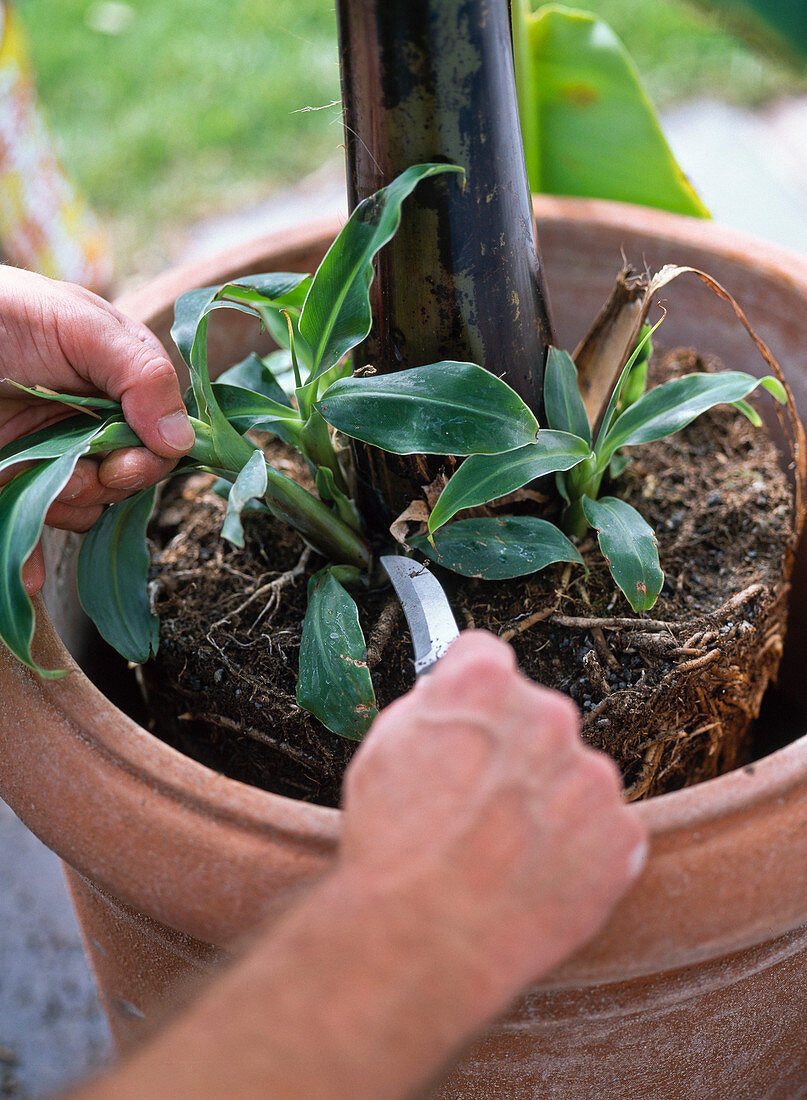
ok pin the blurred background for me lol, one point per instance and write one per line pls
(169, 114)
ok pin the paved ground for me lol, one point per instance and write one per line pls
(51, 1027)
(751, 171)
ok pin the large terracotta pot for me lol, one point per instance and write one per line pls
(696, 987)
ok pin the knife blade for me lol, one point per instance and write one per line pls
(426, 607)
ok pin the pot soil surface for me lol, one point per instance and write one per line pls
(670, 695)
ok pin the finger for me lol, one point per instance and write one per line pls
(33, 571)
(135, 468)
(70, 517)
(83, 488)
(475, 656)
(126, 361)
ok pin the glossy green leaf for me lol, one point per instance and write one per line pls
(668, 408)
(334, 682)
(482, 478)
(630, 548)
(113, 570)
(442, 408)
(24, 502)
(192, 306)
(191, 320)
(271, 312)
(589, 128)
(254, 374)
(563, 404)
(612, 407)
(64, 398)
(250, 484)
(52, 441)
(495, 549)
(246, 409)
(336, 314)
(329, 491)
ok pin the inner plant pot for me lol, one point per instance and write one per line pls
(670, 695)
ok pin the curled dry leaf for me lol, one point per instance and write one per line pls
(605, 350)
(412, 521)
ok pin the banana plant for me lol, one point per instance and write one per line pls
(306, 394)
(443, 408)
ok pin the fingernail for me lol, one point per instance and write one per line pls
(125, 481)
(176, 431)
(72, 488)
(638, 858)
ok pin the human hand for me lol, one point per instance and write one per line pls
(474, 799)
(68, 339)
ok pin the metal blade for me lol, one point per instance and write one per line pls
(431, 620)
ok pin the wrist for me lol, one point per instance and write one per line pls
(423, 930)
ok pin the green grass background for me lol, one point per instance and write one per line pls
(199, 106)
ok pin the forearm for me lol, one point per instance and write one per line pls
(352, 996)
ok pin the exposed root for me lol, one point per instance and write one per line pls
(583, 622)
(382, 632)
(699, 662)
(526, 623)
(273, 589)
(292, 751)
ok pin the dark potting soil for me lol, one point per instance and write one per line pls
(669, 694)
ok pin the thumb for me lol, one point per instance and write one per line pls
(152, 405)
(125, 360)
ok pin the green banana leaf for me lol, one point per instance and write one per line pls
(589, 129)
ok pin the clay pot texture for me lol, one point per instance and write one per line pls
(694, 990)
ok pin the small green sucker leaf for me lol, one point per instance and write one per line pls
(254, 374)
(336, 315)
(629, 545)
(498, 548)
(668, 408)
(442, 408)
(748, 411)
(334, 682)
(482, 478)
(565, 411)
(251, 484)
(113, 578)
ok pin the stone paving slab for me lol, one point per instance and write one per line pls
(52, 1030)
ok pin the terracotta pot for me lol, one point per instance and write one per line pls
(695, 988)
